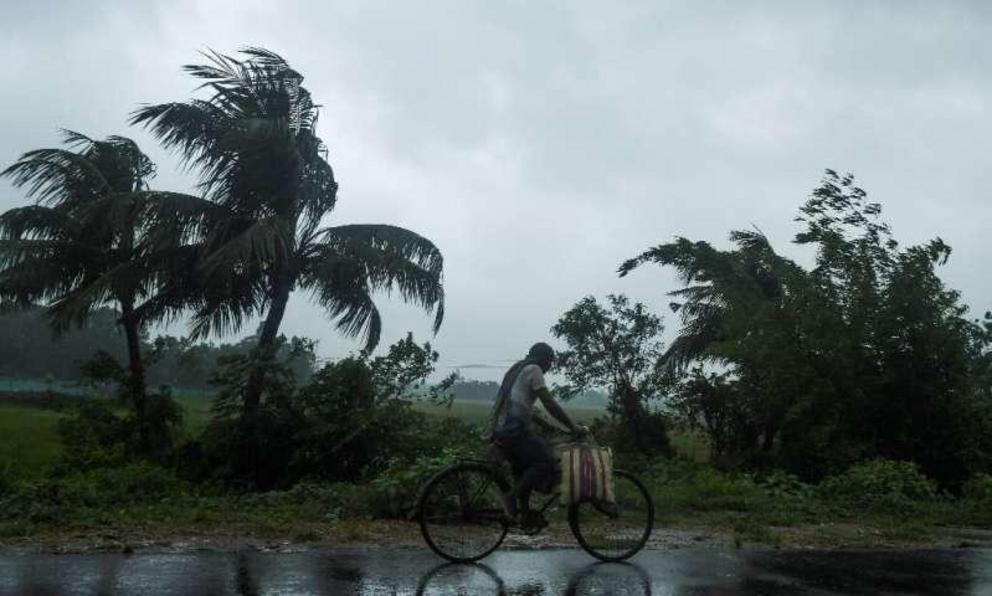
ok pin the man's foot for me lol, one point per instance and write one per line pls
(533, 521)
(509, 504)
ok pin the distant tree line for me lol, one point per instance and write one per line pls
(485, 391)
(31, 351)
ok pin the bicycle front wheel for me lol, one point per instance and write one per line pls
(460, 514)
(615, 532)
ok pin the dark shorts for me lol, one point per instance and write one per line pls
(525, 450)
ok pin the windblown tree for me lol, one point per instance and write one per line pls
(738, 309)
(257, 233)
(616, 348)
(868, 354)
(79, 248)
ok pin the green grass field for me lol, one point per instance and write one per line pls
(196, 410)
(30, 444)
(29, 441)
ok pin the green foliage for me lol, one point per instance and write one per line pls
(779, 484)
(398, 486)
(29, 441)
(102, 367)
(57, 497)
(353, 418)
(868, 354)
(617, 348)
(267, 187)
(97, 436)
(979, 487)
(680, 485)
(880, 485)
(403, 371)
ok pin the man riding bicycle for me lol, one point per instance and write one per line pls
(512, 429)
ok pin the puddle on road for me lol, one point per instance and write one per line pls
(684, 572)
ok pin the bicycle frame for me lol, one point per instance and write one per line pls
(497, 469)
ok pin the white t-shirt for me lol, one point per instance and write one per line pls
(523, 393)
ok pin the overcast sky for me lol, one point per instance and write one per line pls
(539, 144)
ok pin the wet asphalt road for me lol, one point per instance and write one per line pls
(411, 571)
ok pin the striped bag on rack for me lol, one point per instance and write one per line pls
(586, 474)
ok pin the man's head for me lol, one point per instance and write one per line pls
(542, 354)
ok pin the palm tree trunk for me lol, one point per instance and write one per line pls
(264, 354)
(265, 350)
(136, 390)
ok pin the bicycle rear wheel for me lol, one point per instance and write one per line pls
(615, 533)
(460, 514)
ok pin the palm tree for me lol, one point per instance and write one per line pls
(266, 187)
(79, 246)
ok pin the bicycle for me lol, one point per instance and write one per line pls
(461, 518)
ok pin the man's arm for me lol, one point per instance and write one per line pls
(555, 409)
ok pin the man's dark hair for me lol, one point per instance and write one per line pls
(541, 351)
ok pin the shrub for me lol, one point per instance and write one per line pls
(979, 487)
(712, 489)
(6, 481)
(56, 497)
(879, 484)
(779, 484)
(94, 437)
(333, 501)
(398, 486)
(680, 485)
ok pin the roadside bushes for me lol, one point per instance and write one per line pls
(979, 487)
(879, 485)
(352, 419)
(57, 496)
(97, 436)
(397, 488)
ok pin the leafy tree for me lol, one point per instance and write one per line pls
(715, 403)
(80, 247)
(866, 355)
(617, 348)
(257, 232)
(739, 308)
(353, 415)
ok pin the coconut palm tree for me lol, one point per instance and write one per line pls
(78, 248)
(266, 187)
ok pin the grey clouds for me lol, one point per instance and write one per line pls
(540, 144)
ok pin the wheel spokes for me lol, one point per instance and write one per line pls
(616, 530)
(460, 515)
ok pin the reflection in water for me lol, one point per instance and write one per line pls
(474, 578)
(610, 578)
(688, 572)
(247, 586)
(461, 577)
(944, 572)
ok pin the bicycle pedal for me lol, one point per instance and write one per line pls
(531, 524)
